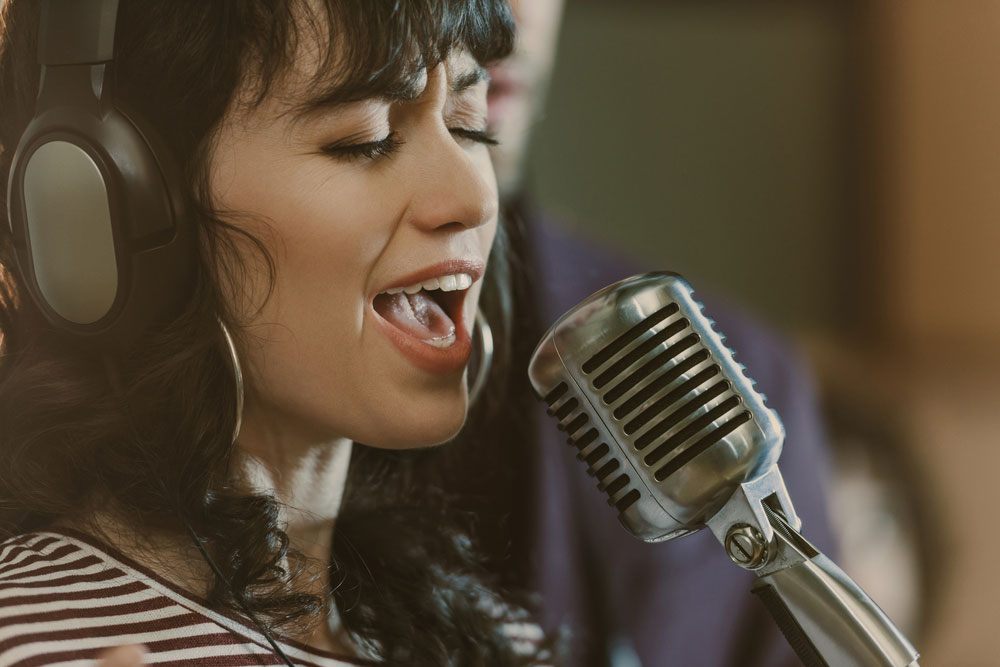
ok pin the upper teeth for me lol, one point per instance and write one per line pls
(450, 283)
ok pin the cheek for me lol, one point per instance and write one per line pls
(311, 355)
(488, 232)
(325, 235)
(487, 235)
(327, 252)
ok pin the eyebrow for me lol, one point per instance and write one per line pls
(468, 79)
(411, 90)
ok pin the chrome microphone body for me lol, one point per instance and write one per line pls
(679, 439)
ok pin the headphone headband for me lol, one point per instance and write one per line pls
(76, 32)
(95, 200)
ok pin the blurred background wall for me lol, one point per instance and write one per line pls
(834, 167)
(712, 135)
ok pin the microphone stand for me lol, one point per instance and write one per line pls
(825, 617)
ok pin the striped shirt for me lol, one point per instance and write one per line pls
(65, 598)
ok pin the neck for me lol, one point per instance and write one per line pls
(307, 475)
(309, 485)
(304, 470)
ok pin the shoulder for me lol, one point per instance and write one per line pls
(65, 598)
(571, 266)
(62, 599)
(50, 567)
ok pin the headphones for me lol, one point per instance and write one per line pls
(100, 227)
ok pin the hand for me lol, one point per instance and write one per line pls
(123, 656)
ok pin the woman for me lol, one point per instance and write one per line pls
(334, 162)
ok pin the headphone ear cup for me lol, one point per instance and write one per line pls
(163, 252)
(100, 225)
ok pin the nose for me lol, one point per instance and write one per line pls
(454, 187)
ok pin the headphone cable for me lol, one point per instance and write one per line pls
(114, 377)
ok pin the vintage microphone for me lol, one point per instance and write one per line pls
(679, 439)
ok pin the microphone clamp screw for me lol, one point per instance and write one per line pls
(746, 546)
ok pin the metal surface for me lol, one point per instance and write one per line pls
(746, 546)
(823, 610)
(234, 364)
(662, 414)
(678, 438)
(483, 350)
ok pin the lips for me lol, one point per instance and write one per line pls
(432, 356)
(473, 267)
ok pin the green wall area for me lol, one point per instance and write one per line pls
(713, 139)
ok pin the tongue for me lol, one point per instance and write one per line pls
(416, 314)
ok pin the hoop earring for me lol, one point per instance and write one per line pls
(234, 362)
(483, 335)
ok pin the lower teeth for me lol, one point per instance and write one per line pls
(441, 341)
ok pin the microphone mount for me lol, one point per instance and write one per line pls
(825, 617)
(679, 439)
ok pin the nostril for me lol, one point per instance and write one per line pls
(453, 226)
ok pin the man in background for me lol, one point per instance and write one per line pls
(627, 603)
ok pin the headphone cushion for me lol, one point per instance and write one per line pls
(99, 222)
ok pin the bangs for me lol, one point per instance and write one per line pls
(375, 48)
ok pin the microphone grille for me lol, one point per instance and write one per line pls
(660, 412)
(601, 463)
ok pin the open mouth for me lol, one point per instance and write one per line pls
(427, 311)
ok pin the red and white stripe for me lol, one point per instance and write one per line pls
(64, 599)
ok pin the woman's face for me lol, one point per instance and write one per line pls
(354, 201)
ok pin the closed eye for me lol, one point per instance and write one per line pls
(370, 150)
(478, 136)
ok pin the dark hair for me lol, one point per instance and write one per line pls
(404, 578)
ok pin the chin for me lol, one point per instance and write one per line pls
(422, 425)
(422, 435)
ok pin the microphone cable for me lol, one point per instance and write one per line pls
(114, 378)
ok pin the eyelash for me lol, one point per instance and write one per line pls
(370, 149)
(373, 150)
(478, 136)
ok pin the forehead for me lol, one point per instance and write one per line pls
(342, 51)
(325, 73)
(302, 97)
